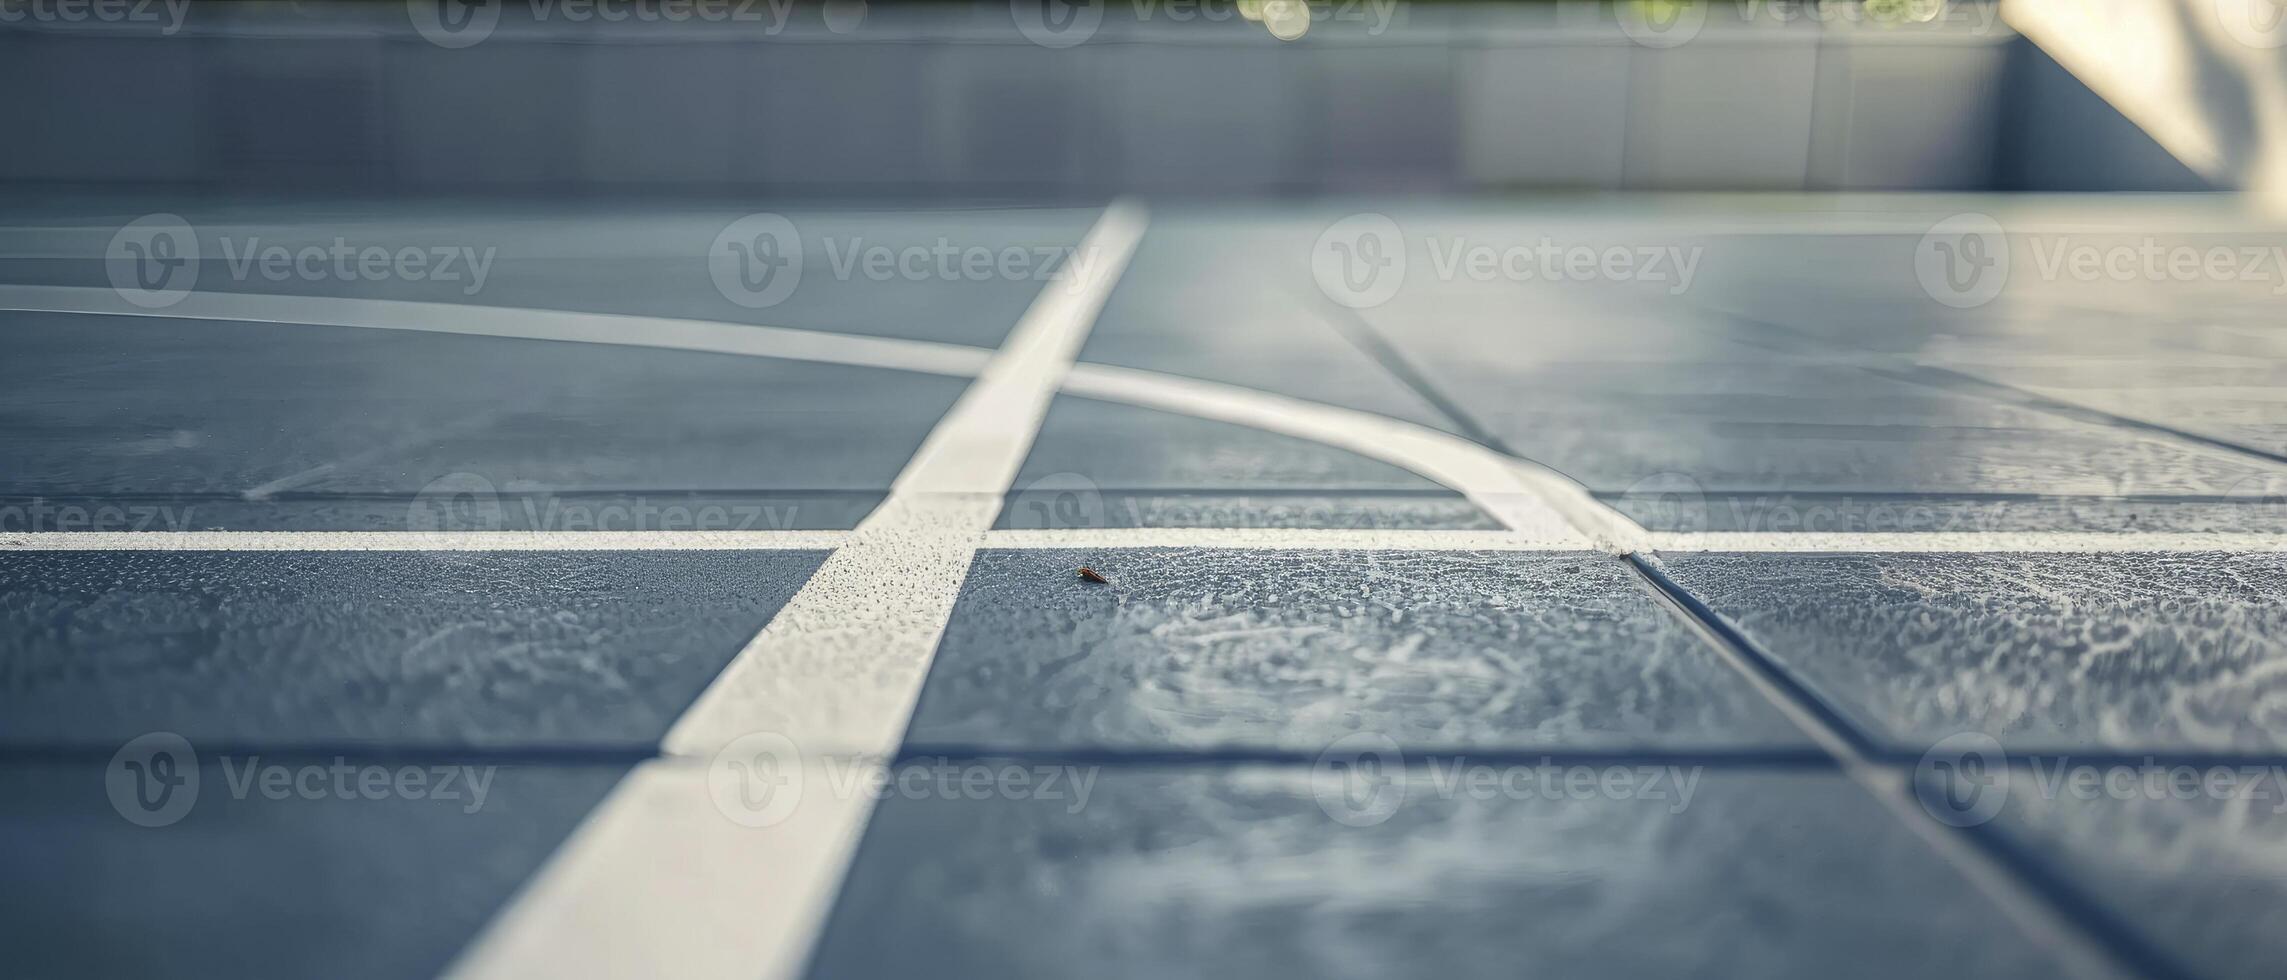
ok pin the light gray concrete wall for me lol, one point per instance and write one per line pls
(957, 101)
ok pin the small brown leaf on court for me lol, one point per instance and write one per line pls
(1091, 575)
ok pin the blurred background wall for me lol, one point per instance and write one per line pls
(1043, 98)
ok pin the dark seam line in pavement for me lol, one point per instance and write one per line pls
(1751, 654)
(1947, 379)
(2094, 925)
(207, 749)
(2100, 925)
(2107, 756)
(1370, 342)
(919, 752)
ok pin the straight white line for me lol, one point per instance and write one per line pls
(1264, 539)
(421, 540)
(660, 882)
(1991, 542)
(1303, 539)
(519, 323)
(1523, 496)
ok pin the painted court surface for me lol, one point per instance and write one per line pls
(1754, 599)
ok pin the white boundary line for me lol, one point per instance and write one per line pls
(928, 357)
(1993, 542)
(1258, 539)
(660, 882)
(422, 540)
(1262, 539)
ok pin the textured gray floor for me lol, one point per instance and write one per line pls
(1212, 702)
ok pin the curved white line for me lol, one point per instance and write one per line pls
(1529, 499)
(520, 323)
